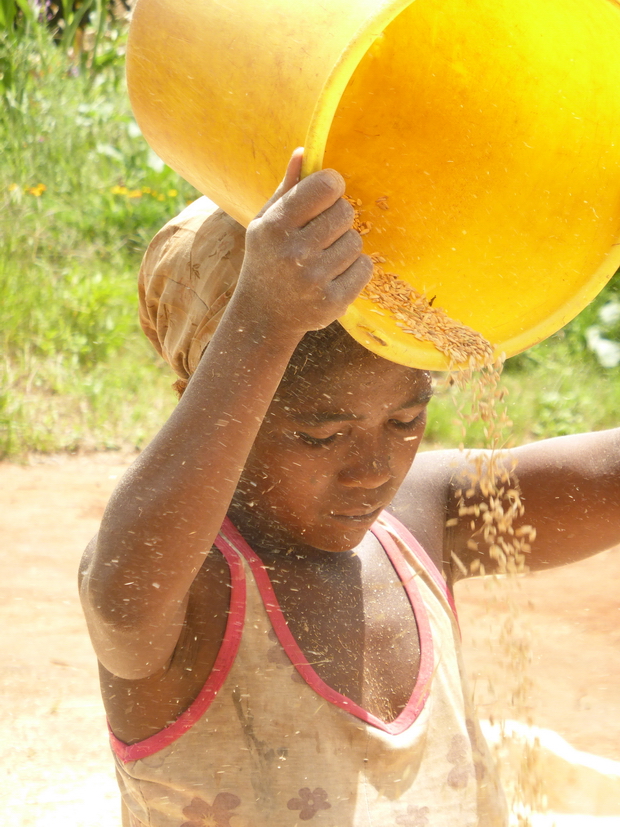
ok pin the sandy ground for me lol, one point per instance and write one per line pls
(55, 767)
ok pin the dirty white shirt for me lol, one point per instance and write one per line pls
(268, 744)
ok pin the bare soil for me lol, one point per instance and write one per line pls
(55, 768)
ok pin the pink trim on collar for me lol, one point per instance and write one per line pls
(421, 688)
(427, 563)
(222, 666)
(231, 544)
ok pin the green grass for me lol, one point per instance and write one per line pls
(81, 195)
(555, 388)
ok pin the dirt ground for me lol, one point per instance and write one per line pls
(55, 768)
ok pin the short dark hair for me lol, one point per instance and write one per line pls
(318, 349)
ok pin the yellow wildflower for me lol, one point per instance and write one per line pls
(37, 191)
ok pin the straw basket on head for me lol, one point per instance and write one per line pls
(489, 129)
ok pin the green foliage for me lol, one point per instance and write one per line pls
(81, 196)
(555, 388)
(66, 21)
(16, 14)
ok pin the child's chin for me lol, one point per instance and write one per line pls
(331, 535)
(339, 541)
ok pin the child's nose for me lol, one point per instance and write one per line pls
(366, 472)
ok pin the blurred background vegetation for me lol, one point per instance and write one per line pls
(82, 195)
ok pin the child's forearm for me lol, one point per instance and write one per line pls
(302, 268)
(571, 491)
(164, 516)
(569, 487)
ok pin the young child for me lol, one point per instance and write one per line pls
(269, 594)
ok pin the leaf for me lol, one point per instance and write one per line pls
(72, 23)
(7, 14)
(27, 11)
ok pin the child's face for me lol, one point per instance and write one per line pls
(326, 462)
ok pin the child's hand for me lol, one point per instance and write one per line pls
(303, 264)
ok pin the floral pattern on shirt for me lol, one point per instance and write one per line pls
(477, 751)
(277, 656)
(202, 814)
(459, 755)
(414, 817)
(309, 802)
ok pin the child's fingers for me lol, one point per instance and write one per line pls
(338, 257)
(330, 225)
(293, 171)
(291, 177)
(346, 287)
(308, 199)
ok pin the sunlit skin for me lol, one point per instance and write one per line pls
(322, 468)
(303, 468)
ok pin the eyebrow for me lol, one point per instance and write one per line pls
(318, 417)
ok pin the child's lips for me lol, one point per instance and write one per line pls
(359, 515)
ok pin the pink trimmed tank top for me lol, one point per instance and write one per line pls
(268, 744)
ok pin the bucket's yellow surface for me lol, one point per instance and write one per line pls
(492, 126)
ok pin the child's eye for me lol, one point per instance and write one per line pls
(313, 440)
(410, 423)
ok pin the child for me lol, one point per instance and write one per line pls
(269, 594)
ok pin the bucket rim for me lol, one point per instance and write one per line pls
(343, 70)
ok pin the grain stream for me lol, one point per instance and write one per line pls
(488, 493)
(414, 313)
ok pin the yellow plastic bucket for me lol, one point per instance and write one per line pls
(491, 126)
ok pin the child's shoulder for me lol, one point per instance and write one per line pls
(420, 503)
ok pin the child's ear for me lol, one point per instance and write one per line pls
(291, 178)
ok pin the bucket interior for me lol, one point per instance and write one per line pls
(491, 131)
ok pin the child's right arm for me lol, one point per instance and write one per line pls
(303, 266)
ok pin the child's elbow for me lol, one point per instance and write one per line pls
(130, 641)
(86, 561)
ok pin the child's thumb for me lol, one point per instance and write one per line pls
(291, 178)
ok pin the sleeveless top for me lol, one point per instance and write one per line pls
(268, 744)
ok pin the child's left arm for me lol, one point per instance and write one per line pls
(570, 489)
